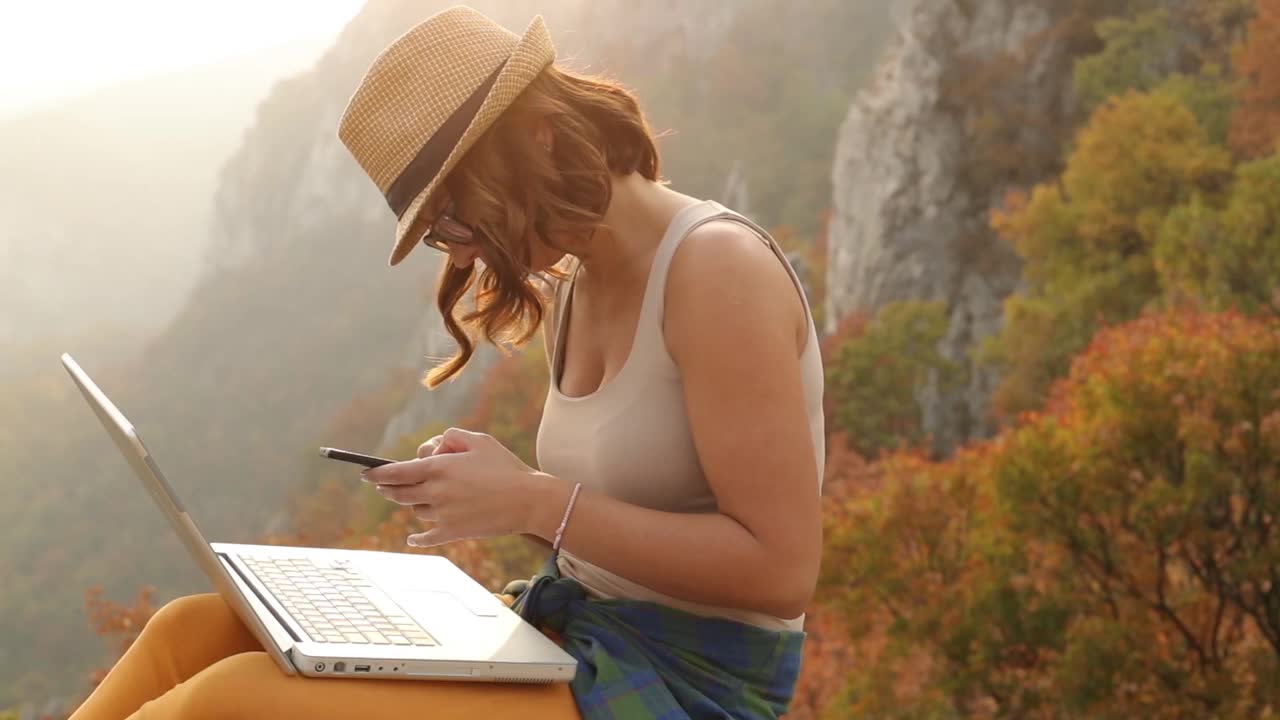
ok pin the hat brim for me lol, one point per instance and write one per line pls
(530, 56)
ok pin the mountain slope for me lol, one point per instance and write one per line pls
(104, 201)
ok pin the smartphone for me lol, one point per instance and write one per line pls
(370, 461)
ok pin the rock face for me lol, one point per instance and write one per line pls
(655, 33)
(910, 215)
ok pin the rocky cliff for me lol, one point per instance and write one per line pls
(918, 167)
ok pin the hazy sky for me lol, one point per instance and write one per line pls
(51, 49)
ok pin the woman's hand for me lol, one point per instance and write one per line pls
(465, 484)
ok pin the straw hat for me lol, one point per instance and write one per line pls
(428, 97)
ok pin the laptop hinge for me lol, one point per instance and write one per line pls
(258, 594)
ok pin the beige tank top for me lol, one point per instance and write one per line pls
(631, 438)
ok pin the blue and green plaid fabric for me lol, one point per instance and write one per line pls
(641, 660)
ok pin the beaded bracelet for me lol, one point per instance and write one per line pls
(573, 498)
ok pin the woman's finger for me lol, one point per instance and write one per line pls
(430, 447)
(425, 512)
(420, 493)
(430, 538)
(407, 472)
(459, 440)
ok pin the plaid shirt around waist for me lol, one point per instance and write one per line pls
(639, 659)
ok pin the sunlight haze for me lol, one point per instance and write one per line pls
(55, 49)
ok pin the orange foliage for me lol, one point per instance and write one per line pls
(828, 655)
(119, 624)
(1109, 556)
(1088, 240)
(511, 398)
(829, 650)
(1255, 123)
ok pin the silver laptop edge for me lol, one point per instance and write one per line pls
(126, 438)
(271, 624)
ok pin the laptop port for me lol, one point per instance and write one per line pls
(339, 666)
(362, 668)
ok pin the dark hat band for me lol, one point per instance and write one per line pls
(427, 163)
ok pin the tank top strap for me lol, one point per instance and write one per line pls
(729, 214)
(649, 339)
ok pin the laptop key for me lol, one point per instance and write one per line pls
(337, 604)
(411, 634)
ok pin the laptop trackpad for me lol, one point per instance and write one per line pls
(481, 603)
(434, 605)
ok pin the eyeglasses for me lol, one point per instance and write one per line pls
(448, 232)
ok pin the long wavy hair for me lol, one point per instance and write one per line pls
(510, 190)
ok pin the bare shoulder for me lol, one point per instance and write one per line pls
(726, 282)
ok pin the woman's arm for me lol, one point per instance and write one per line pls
(734, 326)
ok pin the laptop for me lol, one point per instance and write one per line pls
(332, 613)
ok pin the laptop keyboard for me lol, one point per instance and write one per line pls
(336, 603)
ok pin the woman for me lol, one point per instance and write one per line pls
(681, 445)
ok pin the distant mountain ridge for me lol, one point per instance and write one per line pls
(104, 202)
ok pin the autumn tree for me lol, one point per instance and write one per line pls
(118, 624)
(828, 656)
(1155, 474)
(1110, 557)
(935, 596)
(1176, 49)
(1087, 241)
(1255, 123)
(830, 650)
(1230, 256)
(1134, 56)
(875, 372)
(511, 399)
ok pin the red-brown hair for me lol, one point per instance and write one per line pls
(510, 190)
